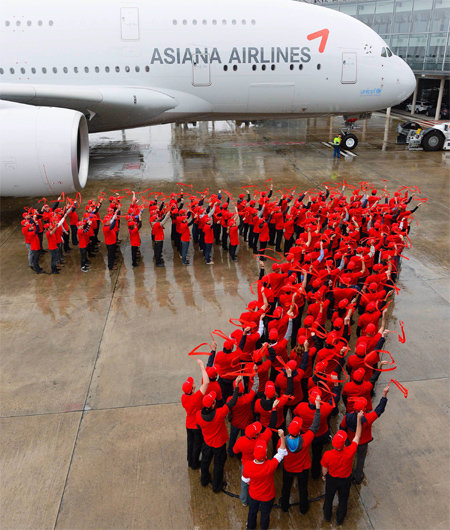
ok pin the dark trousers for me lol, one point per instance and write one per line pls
(278, 238)
(83, 257)
(337, 151)
(207, 252)
(54, 259)
(272, 233)
(342, 486)
(254, 244)
(216, 231)
(158, 252)
(111, 255)
(226, 385)
(288, 244)
(316, 449)
(288, 479)
(234, 433)
(66, 240)
(184, 250)
(35, 255)
(361, 453)
(134, 255)
(232, 251)
(220, 456)
(73, 229)
(194, 447)
(254, 506)
(224, 238)
(262, 248)
(245, 231)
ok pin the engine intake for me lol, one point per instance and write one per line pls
(43, 150)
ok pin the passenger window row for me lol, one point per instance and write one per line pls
(127, 69)
(214, 22)
(23, 23)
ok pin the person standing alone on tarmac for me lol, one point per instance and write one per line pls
(337, 146)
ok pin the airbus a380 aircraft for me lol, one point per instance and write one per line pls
(72, 67)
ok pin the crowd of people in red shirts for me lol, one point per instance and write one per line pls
(312, 336)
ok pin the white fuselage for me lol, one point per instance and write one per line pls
(215, 60)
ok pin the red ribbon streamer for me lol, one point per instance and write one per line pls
(400, 387)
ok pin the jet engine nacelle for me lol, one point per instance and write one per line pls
(43, 151)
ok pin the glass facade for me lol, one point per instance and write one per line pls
(416, 30)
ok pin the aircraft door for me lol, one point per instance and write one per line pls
(349, 67)
(129, 23)
(201, 68)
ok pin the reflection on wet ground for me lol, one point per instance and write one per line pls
(92, 430)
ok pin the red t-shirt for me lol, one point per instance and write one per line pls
(306, 413)
(83, 238)
(135, 239)
(27, 234)
(353, 390)
(234, 236)
(158, 231)
(214, 432)
(51, 239)
(209, 234)
(340, 463)
(246, 446)
(110, 235)
(242, 414)
(298, 462)
(191, 404)
(262, 483)
(264, 415)
(35, 244)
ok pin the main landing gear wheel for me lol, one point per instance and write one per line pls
(349, 141)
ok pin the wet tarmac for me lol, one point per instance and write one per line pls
(92, 431)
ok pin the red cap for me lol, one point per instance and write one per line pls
(309, 320)
(343, 303)
(252, 430)
(371, 329)
(295, 426)
(313, 393)
(273, 334)
(360, 403)
(228, 345)
(330, 338)
(360, 349)
(292, 365)
(253, 305)
(269, 390)
(260, 451)
(358, 375)
(209, 399)
(373, 286)
(371, 307)
(187, 385)
(338, 322)
(211, 371)
(275, 266)
(339, 440)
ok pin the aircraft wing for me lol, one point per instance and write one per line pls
(102, 105)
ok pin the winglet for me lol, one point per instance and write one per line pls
(323, 34)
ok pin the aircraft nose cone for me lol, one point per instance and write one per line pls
(406, 79)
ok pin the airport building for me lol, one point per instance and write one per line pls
(418, 31)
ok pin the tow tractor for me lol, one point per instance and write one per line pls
(434, 138)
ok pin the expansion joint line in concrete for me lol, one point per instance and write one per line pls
(87, 394)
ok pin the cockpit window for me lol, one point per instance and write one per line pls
(383, 52)
(390, 54)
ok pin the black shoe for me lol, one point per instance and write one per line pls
(55, 272)
(135, 264)
(88, 261)
(187, 262)
(160, 264)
